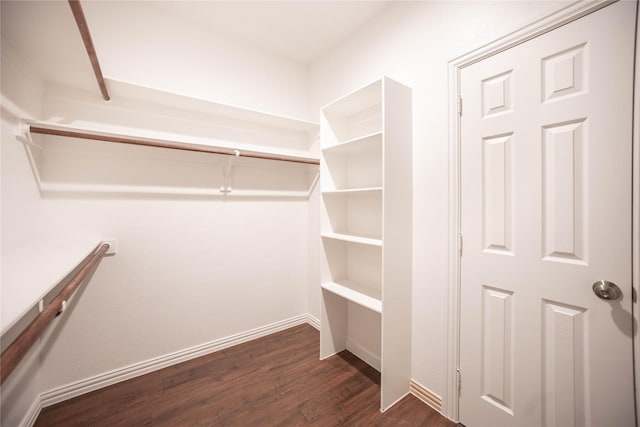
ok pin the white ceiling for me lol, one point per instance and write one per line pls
(45, 35)
(300, 30)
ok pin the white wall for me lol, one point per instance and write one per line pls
(21, 214)
(22, 91)
(412, 42)
(141, 43)
(189, 270)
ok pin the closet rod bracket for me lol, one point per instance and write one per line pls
(23, 133)
(227, 172)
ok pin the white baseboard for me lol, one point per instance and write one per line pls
(32, 415)
(313, 321)
(106, 379)
(426, 395)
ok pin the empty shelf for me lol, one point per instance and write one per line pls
(363, 190)
(353, 239)
(174, 142)
(368, 142)
(355, 292)
(356, 101)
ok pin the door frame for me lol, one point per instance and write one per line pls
(537, 27)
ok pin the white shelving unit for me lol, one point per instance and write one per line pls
(73, 149)
(366, 229)
(358, 293)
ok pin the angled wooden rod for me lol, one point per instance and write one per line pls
(14, 353)
(78, 14)
(171, 145)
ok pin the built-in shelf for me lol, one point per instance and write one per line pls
(98, 189)
(357, 101)
(371, 141)
(354, 164)
(366, 229)
(29, 273)
(353, 212)
(355, 115)
(169, 140)
(353, 239)
(358, 293)
(146, 141)
(124, 90)
(364, 190)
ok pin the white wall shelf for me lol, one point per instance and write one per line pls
(354, 164)
(167, 139)
(357, 293)
(353, 146)
(235, 151)
(356, 115)
(355, 191)
(134, 92)
(353, 239)
(353, 212)
(31, 272)
(366, 229)
(98, 189)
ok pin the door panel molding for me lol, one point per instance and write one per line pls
(635, 220)
(540, 26)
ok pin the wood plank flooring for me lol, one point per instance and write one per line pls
(276, 380)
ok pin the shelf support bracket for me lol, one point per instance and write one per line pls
(227, 173)
(23, 133)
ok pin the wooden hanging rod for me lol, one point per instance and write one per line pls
(78, 14)
(170, 145)
(14, 353)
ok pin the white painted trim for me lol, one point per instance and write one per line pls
(425, 395)
(540, 26)
(32, 414)
(636, 218)
(450, 396)
(106, 379)
(97, 382)
(313, 321)
(548, 22)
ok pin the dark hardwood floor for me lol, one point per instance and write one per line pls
(276, 380)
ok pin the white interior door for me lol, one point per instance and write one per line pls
(546, 212)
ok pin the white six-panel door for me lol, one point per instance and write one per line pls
(546, 212)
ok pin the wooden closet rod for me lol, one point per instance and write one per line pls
(14, 353)
(78, 14)
(171, 145)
